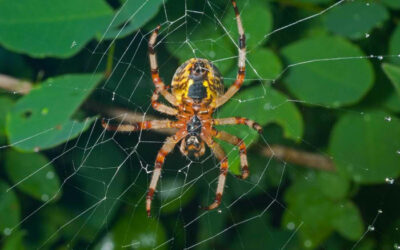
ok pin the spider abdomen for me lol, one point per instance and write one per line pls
(197, 79)
(197, 90)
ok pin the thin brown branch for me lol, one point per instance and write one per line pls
(15, 85)
(298, 157)
(290, 155)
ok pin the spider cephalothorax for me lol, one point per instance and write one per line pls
(197, 90)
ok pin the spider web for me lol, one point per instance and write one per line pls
(114, 189)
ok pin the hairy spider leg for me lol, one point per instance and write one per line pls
(162, 108)
(167, 147)
(241, 63)
(159, 84)
(238, 120)
(244, 167)
(154, 124)
(220, 154)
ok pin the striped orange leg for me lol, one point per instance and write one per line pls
(220, 154)
(241, 63)
(161, 107)
(167, 147)
(244, 167)
(154, 124)
(159, 84)
(238, 120)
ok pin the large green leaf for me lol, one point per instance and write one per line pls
(394, 45)
(394, 4)
(33, 174)
(317, 213)
(364, 146)
(15, 241)
(329, 72)
(263, 63)
(257, 21)
(5, 105)
(174, 195)
(267, 106)
(355, 19)
(204, 41)
(9, 209)
(347, 221)
(41, 119)
(135, 232)
(393, 72)
(55, 28)
(132, 15)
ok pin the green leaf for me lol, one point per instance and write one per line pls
(394, 45)
(137, 232)
(348, 222)
(257, 22)
(132, 15)
(392, 102)
(9, 209)
(363, 146)
(333, 185)
(5, 105)
(317, 211)
(54, 28)
(319, 78)
(393, 73)
(267, 106)
(15, 241)
(206, 41)
(309, 211)
(174, 195)
(355, 19)
(264, 64)
(33, 174)
(312, 1)
(394, 4)
(41, 119)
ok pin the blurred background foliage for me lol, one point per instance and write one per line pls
(65, 184)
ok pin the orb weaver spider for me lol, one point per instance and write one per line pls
(197, 90)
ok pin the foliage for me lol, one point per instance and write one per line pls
(65, 183)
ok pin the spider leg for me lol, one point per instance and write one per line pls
(241, 64)
(159, 84)
(161, 107)
(238, 120)
(231, 139)
(167, 147)
(154, 124)
(220, 154)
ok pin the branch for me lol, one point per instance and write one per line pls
(298, 157)
(15, 85)
(290, 155)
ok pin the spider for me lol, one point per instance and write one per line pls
(197, 90)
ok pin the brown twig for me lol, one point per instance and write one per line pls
(290, 155)
(15, 85)
(298, 157)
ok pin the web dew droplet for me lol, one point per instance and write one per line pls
(389, 180)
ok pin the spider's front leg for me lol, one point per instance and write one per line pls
(231, 139)
(167, 147)
(220, 154)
